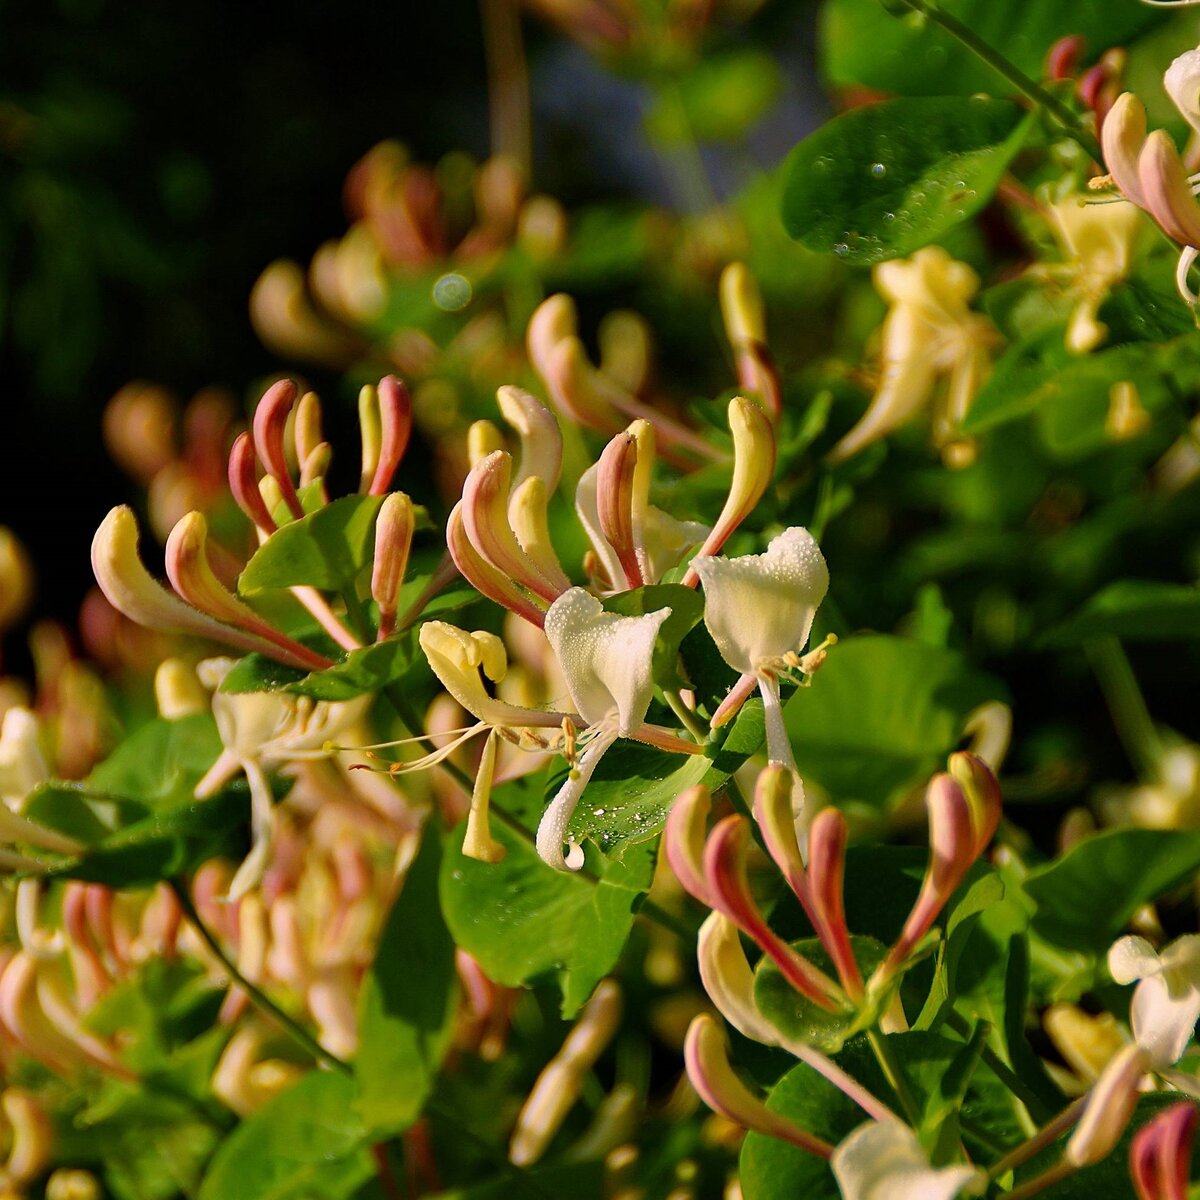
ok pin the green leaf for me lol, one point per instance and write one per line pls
(863, 45)
(368, 669)
(687, 611)
(163, 845)
(882, 181)
(881, 716)
(1142, 610)
(721, 98)
(799, 1017)
(86, 816)
(525, 922)
(1085, 898)
(327, 549)
(406, 1009)
(306, 1142)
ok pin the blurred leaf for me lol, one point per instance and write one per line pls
(720, 98)
(881, 716)
(306, 1142)
(327, 549)
(1135, 609)
(86, 816)
(1085, 898)
(882, 181)
(862, 44)
(407, 1004)
(525, 922)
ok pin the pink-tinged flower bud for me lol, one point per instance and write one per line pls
(1122, 139)
(559, 1085)
(1109, 1106)
(306, 426)
(725, 872)
(553, 321)
(1062, 59)
(614, 502)
(741, 691)
(395, 423)
(192, 577)
(753, 466)
(982, 791)
(316, 466)
(243, 483)
(332, 1001)
(541, 439)
(1166, 189)
(745, 321)
(826, 873)
(528, 514)
(706, 1055)
(393, 541)
(370, 429)
(270, 426)
(1160, 1157)
(484, 577)
(139, 429)
(485, 518)
(953, 847)
(32, 1137)
(131, 591)
(773, 812)
(251, 954)
(728, 979)
(684, 837)
(572, 381)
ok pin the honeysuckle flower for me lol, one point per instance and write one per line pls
(759, 609)
(261, 731)
(559, 1085)
(706, 1057)
(606, 662)
(1160, 1155)
(1097, 242)
(883, 1160)
(1169, 800)
(1166, 1001)
(929, 334)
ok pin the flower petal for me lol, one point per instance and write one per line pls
(884, 1161)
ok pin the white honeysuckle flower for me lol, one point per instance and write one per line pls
(883, 1160)
(1166, 1001)
(260, 731)
(22, 764)
(606, 660)
(759, 609)
(1182, 83)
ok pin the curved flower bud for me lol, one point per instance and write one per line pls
(1167, 191)
(614, 496)
(32, 1136)
(270, 424)
(133, 592)
(728, 979)
(1160, 1156)
(745, 321)
(683, 840)
(478, 842)
(826, 873)
(706, 1056)
(1109, 1106)
(624, 342)
(1121, 139)
(193, 578)
(483, 438)
(553, 321)
(306, 426)
(572, 383)
(981, 789)
(395, 418)
(541, 439)
(776, 821)
(528, 516)
(243, 483)
(1166, 1001)
(760, 607)
(725, 871)
(884, 1161)
(393, 541)
(484, 577)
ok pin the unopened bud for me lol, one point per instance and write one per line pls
(684, 838)
(393, 541)
(71, 1183)
(1122, 138)
(395, 428)
(1109, 1108)
(285, 320)
(537, 428)
(243, 483)
(270, 426)
(32, 1136)
(478, 842)
(306, 426)
(624, 339)
(614, 500)
(542, 227)
(728, 978)
(529, 517)
(483, 576)
(1160, 1156)
(706, 1056)
(553, 321)
(982, 791)
(1127, 416)
(483, 438)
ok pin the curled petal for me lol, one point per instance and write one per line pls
(1109, 1107)
(478, 842)
(614, 496)
(1121, 139)
(884, 1161)
(1167, 191)
(484, 577)
(395, 418)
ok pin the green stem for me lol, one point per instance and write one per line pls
(999, 1067)
(894, 1074)
(258, 997)
(1046, 1179)
(1048, 1134)
(687, 718)
(1135, 726)
(1009, 70)
(518, 1175)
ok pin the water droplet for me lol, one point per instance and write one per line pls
(878, 170)
(841, 248)
(597, 812)
(452, 292)
(889, 216)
